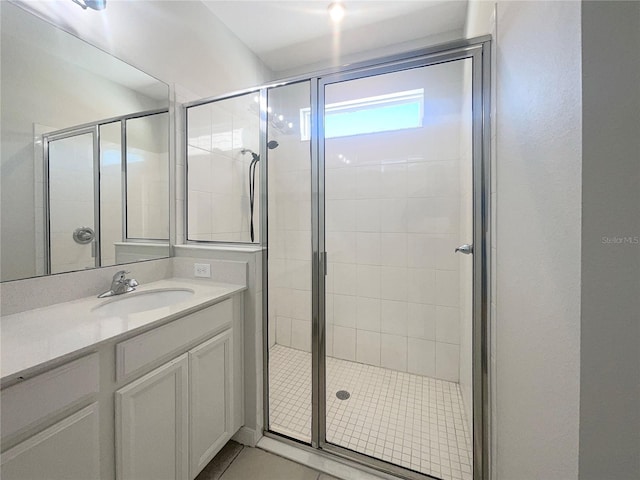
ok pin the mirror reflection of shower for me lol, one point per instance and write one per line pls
(252, 178)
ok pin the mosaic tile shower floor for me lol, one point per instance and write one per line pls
(409, 420)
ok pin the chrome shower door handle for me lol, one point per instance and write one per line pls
(466, 249)
(83, 235)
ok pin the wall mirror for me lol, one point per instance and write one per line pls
(84, 154)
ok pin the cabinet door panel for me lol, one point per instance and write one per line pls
(68, 450)
(152, 425)
(210, 393)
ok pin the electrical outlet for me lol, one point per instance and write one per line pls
(202, 270)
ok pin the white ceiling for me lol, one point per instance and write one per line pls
(289, 34)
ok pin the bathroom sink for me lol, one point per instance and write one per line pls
(137, 302)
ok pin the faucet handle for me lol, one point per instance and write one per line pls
(120, 276)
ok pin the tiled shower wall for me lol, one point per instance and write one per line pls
(218, 176)
(392, 224)
(290, 224)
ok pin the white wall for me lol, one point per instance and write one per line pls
(179, 42)
(610, 329)
(536, 280)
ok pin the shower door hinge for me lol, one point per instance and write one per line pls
(323, 259)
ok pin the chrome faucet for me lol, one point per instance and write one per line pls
(120, 284)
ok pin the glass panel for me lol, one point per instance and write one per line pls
(223, 174)
(148, 177)
(71, 203)
(110, 191)
(398, 202)
(289, 210)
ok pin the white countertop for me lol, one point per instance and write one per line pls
(33, 339)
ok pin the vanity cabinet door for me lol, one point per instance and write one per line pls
(211, 398)
(68, 450)
(152, 440)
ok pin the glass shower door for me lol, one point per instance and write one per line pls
(73, 229)
(398, 200)
(289, 299)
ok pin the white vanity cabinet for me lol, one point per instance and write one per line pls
(68, 448)
(157, 403)
(211, 399)
(172, 421)
(152, 425)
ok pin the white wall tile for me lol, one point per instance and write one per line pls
(301, 334)
(368, 347)
(283, 331)
(368, 215)
(329, 341)
(442, 178)
(368, 248)
(368, 281)
(421, 250)
(339, 183)
(422, 215)
(393, 182)
(422, 357)
(393, 283)
(393, 352)
(328, 308)
(340, 215)
(393, 215)
(393, 249)
(344, 343)
(421, 286)
(368, 314)
(345, 311)
(345, 278)
(421, 321)
(447, 361)
(445, 246)
(394, 317)
(417, 185)
(341, 247)
(368, 181)
(448, 325)
(447, 288)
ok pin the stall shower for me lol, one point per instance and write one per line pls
(370, 305)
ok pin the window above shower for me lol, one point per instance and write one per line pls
(386, 112)
(223, 170)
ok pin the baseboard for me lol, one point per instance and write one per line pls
(247, 436)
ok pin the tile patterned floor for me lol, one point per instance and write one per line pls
(236, 462)
(409, 420)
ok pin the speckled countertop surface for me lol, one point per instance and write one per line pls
(34, 339)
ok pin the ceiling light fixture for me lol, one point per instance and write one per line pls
(92, 4)
(336, 11)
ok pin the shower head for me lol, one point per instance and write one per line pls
(270, 145)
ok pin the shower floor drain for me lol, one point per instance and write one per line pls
(343, 394)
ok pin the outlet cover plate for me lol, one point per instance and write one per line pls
(202, 270)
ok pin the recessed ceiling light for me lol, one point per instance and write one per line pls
(336, 11)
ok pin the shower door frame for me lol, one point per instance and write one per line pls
(478, 50)
(94, 131)
(93, 128)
